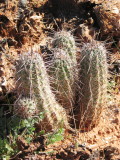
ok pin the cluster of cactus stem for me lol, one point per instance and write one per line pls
(63, 68)
(34, 82)
(52, 88)
(93, 80)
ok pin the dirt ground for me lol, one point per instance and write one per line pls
(29, 28)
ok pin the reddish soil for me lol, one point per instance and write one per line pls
(40, 21)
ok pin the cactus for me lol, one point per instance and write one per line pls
(63, 68)
(25, 108)
(23, 79)
(65, 41)
(93, 78)
(38, 86)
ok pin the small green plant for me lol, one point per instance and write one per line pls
(55, 137)
(6, 149)
(63, 68)
(17, 125)
(93, 79)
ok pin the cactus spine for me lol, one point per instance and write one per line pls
(64, 68)
(25, 108)
(93, 77)
(39, 88)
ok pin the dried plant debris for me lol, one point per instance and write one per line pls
(108, 16)
(7, 70)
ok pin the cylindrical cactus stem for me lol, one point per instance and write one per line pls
(93, 79)
(25, 108)
(65, 40)
(40, 89)
(23, 77)
(63, 68)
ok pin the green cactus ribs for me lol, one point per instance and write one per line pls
(93, 78)
(25, 108)
(63, 68)
(65, 40)
(34, 75)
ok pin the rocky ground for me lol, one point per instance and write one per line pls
(29, 26)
